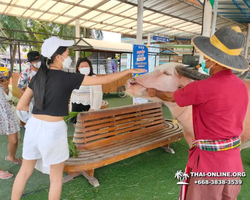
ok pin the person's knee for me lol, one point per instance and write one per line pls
(13, 140)
(56, 180)
(56, 173)
(25, 174)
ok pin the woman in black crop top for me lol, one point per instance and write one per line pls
(45, 142)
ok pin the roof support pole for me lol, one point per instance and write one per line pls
(247, 42)
(214, 16)
(19, 57)
(206, 23)
(120, 64)
(97, 63)
(11, 58)
(131, 57)
(207, 18)
(77, 34)
(139, 22)
(155, 61)
(149, 39)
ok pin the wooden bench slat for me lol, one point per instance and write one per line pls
(142, 122)
(152, 116)
(100, 126)
(95, 133)
(94, 122)
(137, 114)
(118, 137)
(116, 111)
(150, 111)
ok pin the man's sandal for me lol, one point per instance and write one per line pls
(5, 175)
(19, 162)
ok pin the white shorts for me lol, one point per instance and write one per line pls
(46, 142)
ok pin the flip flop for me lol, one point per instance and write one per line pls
(5, 173)
(19, 162)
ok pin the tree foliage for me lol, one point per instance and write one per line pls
(23, 24)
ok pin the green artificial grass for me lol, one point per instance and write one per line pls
(148, 176)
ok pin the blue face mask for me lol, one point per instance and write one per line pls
(203, 66)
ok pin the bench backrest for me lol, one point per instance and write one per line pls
(94, 129)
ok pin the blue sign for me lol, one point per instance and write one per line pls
(160, 39)
(140, 57)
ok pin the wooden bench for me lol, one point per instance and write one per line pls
(108, 136)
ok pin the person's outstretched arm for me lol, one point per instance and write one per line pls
(100, 80)
(165, 96)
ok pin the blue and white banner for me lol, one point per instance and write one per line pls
(140, 57)
(140, 60)
(160, 39)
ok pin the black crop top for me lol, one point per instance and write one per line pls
(58, 88)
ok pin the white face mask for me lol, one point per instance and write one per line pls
(33, 72)
(85, 70)
(67, 62)
(37, 65)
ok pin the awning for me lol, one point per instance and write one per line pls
(94, 45)
(100, 45)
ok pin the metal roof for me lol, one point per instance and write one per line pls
(237, 10)
(161, 17)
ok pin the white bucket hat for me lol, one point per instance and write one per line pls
(51, 44)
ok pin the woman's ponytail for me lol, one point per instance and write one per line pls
(39, 83)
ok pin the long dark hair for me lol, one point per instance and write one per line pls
(40, 78)
(80, 60)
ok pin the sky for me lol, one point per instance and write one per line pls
(111, 37)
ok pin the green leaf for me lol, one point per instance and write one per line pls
(17, 23)
(212, 3)
(72, 148)
(70, 116)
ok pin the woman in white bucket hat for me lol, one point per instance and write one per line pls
(45, 143)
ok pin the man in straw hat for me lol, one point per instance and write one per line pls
(219, 107)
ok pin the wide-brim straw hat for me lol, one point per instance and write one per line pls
(224, 48)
